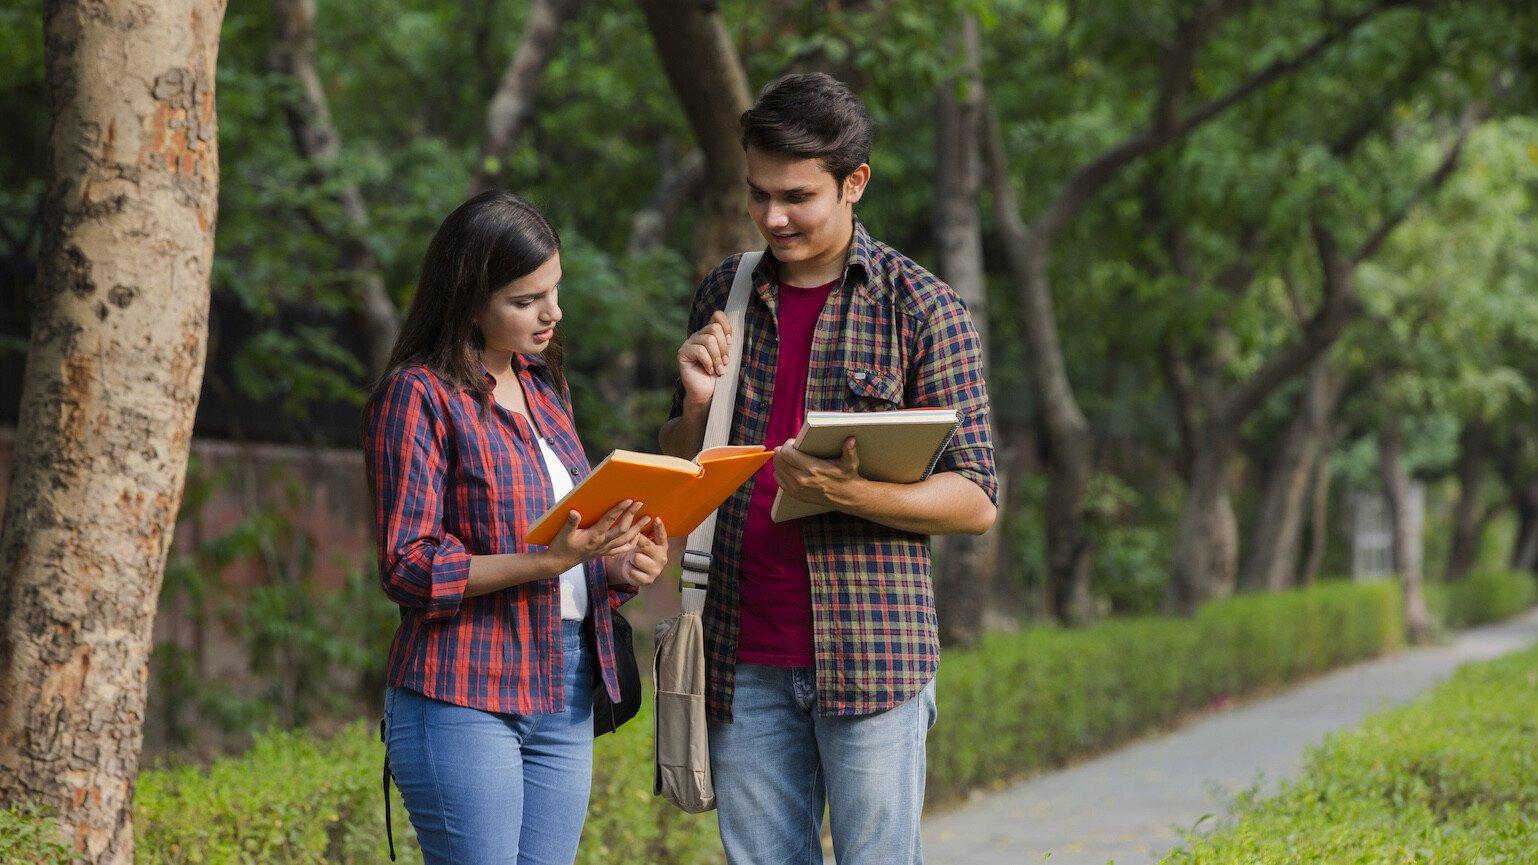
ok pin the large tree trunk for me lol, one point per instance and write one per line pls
(964, 564)
(1469, 515)
(111, 385)
(315, 136)
(1524, 553)
(702, 66)
(1408, 543)
(1319, 516)
(1276, 538)
(513, 104)
(1207, 535)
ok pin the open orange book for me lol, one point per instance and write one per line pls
(677, 491)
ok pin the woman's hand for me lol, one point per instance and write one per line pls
(702, 359)
(643, 563)
(612, 534)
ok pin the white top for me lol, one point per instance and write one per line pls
(573, 581)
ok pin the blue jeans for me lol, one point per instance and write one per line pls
(779, 761)
(483, 787)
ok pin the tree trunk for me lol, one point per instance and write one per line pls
(702, 66)
(315, 136)
(1469, 515)
(1524, 553)
(1408, 543)
(1277, 536)
(113, 370)
(964, 564)
(513, 103)
(1319, 516)
(1067, 431)
(1207, 535)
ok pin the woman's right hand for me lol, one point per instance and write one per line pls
(703, 357)
(614, 533)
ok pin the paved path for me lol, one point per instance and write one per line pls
(1130, 805)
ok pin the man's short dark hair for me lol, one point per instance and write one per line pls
(811, 116)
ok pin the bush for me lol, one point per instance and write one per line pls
(1452, 778)
(295, 798)
(1017, 703)
(1022, 702)
(28, 834)
(1483, 596)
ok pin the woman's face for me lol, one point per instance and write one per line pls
(520, 317)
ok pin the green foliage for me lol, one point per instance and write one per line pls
(1452, 778)
(30, 834)
(1483, 596)
(297, 799)
(1023, 702)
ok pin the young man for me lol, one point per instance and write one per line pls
(820, 638)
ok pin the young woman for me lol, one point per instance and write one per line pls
(469, 438)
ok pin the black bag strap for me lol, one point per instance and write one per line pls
(389, 831)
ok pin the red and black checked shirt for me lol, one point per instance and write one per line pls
(891, 336)
(449, 482)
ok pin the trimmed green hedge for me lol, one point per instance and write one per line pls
(1451, 778)
(1017, 704)
(1023, 702)
(1484, 596)
(297, 799)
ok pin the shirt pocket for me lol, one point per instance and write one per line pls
(874, 389)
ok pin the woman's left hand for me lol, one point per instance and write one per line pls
(643, 562)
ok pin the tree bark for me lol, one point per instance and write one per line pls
(119, 330)
(1277, 535)
(1408, 544)
(1319, 516)
(316, 138)
(513, 104)
(1207, 536)
(964, 564)
(1469, 514)
(702, 67)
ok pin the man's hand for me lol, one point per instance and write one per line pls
(835, 483)
(702, 359)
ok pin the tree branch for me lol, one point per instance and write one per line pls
(513, 103)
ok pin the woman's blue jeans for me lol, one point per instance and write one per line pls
(483, 787)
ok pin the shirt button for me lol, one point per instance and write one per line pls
(573, 472)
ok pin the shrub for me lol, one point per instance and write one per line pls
(1483, 596)
(1015, 704)
(1022, 702)
(1452, 778)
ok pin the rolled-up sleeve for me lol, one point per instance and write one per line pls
(420, 564)
(948, 373)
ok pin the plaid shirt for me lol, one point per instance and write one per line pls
(449, 482)
(892, 336)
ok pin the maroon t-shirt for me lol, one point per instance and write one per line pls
(775, 584)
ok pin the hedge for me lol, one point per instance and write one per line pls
(1016, 704)
(1483, 596)
(1022, 702)
(1451, 778)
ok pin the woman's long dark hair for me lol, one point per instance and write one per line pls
(486, 243)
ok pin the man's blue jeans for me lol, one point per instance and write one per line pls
(483, 787)
(779, 761)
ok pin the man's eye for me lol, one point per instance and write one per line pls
(759, 196)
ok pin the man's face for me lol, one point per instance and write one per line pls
(797, 206)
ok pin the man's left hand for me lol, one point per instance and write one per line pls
(835, 483)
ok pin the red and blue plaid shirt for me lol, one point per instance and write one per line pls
(891, 336)
(449, 480)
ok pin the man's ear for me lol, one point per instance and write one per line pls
(854, 184)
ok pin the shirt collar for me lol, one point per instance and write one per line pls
(521, 362)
